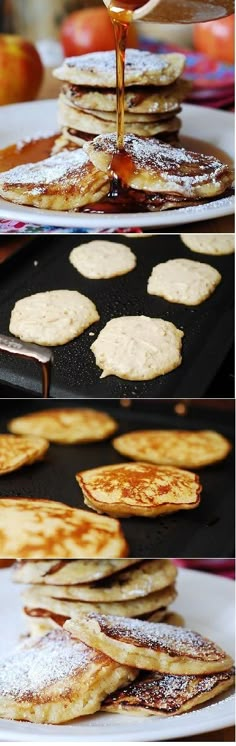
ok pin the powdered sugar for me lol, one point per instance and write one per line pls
(177, 165)
(141, 68)
(49, 171)
(139, 61)
(177, 641)
(28, 670)
(163, 692)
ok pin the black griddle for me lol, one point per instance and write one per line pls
(208, 328)
(207, 531)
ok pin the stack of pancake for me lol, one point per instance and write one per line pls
(177, 668)
(153, 96)
(60, 590)
(114, 664)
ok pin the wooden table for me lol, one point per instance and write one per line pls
(226, 735)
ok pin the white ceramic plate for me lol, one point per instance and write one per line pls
(207, 603)
(40, 118)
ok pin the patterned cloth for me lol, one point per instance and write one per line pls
(224, 567)
(212, 81)
(213, 85)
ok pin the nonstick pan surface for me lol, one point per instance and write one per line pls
(208, 328)
(207, 531)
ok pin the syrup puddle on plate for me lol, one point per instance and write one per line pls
(35, 150)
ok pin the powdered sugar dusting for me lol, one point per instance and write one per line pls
(47, 172)
(177, 640)
(165, 692)
(177, 165)
(136, 60)
(28, 670)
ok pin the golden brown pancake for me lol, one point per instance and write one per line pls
(98, 69)
(138, 100)
(57, 679)
(37, 625)
(156, 647)
(94, 123)
(169, 617)
(39, 529)
(162, 694)
(66, 425)
(65, 181)
(16, 451)
(153, 166)
(73, 138)
(68, 572)
(139, 489)
(147, 577)
(39, 600)
(187, 448)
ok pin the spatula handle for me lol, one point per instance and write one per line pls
(41, 355)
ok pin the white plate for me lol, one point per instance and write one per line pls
(207, 603)
(27, 120)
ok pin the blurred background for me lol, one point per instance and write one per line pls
(58, 28)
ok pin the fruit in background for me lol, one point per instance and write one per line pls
(216, 38)
(90, 30)
(21, 70)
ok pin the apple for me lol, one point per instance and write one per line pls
(21, 70)
(216, 38)
(90, 30)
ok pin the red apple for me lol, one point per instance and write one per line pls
(90, 30)
(21, 70)
(216, 38)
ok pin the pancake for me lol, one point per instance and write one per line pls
(79, 139)
(138, 348)
(88, 121)
(52, 318)
(65, 181)
(171, 617)
(111, 116)
(138, 100)
(37, 601)
(158, 616)
(162, 694)
(187, 448)
(37, 626)
(63, 425)
(154, 166)
(209, 243)
(183, 281)
(75, 138)
(98, 69)
(16, 451)
(40, 529)
(145, 645)
(40, 625)
(102, 259)
(61, 144)
(132, 583)
(139, 489)
(68, 571)
(57, 679)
